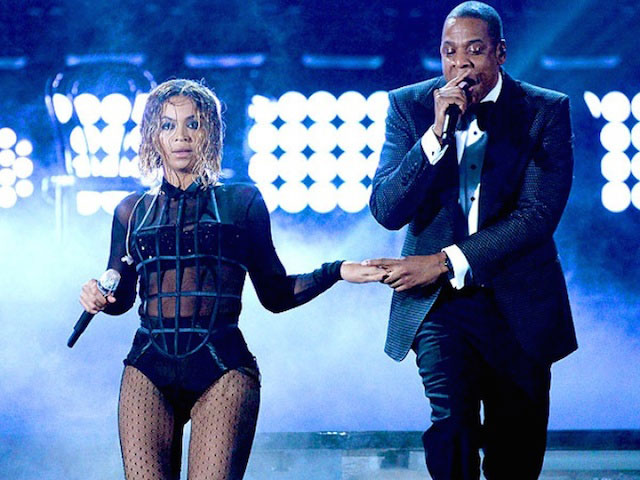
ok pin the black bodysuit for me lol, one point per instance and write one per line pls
(191, 250)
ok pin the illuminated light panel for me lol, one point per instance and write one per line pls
(87, 108)
(7, 157)
(88, 202)
(621, 172)
(302, 151)
(138, 107)
(110, 200)
(115, 108)
(62, 107)
(7, 177)
(24, 148)
(269, 194)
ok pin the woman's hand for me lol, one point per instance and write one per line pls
(357, 273)
(92, 300)
(409, 272)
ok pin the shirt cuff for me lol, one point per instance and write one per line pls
(431, 146)
(460, 265)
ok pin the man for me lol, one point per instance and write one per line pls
(479, 293)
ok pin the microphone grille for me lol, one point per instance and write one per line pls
(109, 280)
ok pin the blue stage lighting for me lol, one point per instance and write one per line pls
(635, 166)
(115, 108)
(615, 107)
(7, 157)
(24, 188)
(63, 107)
(138, 107)
(23, 167)
(111, 139)
(15, 168)
(270, 195)
(307, 156)
(87, 202)
(635, 136)
(616, 196)
(87, 107)
(24, 148)
(7, 177)
(615, 137)
(635, 195)
(8, 197)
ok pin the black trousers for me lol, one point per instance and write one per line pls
(466, 355)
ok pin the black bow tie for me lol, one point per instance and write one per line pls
(480, 111)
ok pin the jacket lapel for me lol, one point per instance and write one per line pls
(507, 128)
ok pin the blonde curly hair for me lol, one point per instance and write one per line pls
(208, 151)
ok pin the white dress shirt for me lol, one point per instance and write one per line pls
(434, 152)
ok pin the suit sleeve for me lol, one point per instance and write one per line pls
(404, 175)
(540, 203)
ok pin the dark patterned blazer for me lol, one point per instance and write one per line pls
(525, 182)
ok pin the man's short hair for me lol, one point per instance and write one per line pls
(483, 12)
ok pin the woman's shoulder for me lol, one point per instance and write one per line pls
(242, 193)
(126, 206)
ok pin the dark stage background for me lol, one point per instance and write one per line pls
(323, 366)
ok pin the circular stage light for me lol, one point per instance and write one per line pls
(138, 107)
(292, 137)
(87, 202)
(635, 136)
(7, 177)
(292, 107)
(615, 107)
(87, 108)
(292, 167)
(263, 109)
(263, 168)
(8, 197)
(8, 137)
(635, 106)
(615, 137)
(352, 196)
(352, 166)
(81, 166)
(375, 136)
(635, 166)
(615, 166)
(293, 197)
(352, 137)
(372, 163)
(322, 167)
(263, 138)
(111, 138)
(352, 106)
(616, 197)
(24, 148)
(377, 106)
(322, 107)
(322, 137)
(115, 109)
(110, 200)
(635, 195)
(323, 197)
(133, 139)
(269, 194)
(62, 107)
(7, 157)
(24, 188)
(23, 167)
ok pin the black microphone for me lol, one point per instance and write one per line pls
(107, 284)
(452, 114)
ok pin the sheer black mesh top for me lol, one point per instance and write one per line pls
(190, 250)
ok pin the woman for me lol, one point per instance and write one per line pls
(190, 244)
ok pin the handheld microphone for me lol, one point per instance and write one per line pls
(107, 284)
(452, 114)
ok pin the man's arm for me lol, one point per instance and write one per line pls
(404, 175)
(543, 196)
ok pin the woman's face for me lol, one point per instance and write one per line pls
(180, 132)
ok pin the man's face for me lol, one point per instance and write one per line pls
(467, 48)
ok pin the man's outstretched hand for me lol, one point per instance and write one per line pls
(409, 272)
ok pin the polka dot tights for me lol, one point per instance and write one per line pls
(223, 422)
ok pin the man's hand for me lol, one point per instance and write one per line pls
(354, 272)
(451, 94)
(409, 272)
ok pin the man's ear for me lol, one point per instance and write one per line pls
(501, 51)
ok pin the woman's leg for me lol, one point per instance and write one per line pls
(150, 439)
(223, 423)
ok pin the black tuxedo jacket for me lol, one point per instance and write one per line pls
(525, 182)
